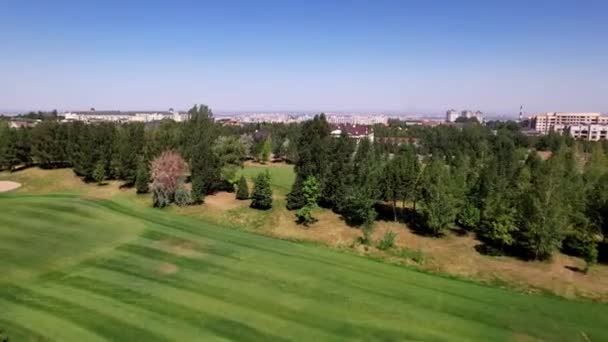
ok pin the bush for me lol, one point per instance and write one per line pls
(199, 189)
(262, 192)
(182, 196)
(99, 174)
(387, 241)
(304, 216)
(242, 192)
(469, 217)
(160, 197)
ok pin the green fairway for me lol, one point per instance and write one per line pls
(281, 175)
(84, 270)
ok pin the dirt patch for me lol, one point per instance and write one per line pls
(456, 255)
(8, 186)
(224, 201)
(181, 248)
(167, 268)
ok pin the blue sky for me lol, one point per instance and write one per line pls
(405, 56)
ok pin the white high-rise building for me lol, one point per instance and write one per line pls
(451, 115)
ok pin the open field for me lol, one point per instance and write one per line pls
(151, 275)
(281, 175)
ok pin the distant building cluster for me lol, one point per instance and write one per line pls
(356, 132)
(357, 119)
(452, 115)
(583, 126)
(127, 116)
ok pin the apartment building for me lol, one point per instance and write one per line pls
(559, 122)
(129, 116)
(452, 115)
(592, 132)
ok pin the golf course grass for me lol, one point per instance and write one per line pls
(76, 269)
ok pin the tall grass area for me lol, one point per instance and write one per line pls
(113, 270)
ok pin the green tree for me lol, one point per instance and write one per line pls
(338, 178)
(310, 191)
(99, 174)
(242, 192)
(262, 192)
(312, 150)
(438, 204)
(266, 150)
(197, 142)
(142, 179)
(544, 212)
(230, 152)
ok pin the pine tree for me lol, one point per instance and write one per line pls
(198, 137)
(242, 192)
(338, 176)
(310, 190)
(142, 179)
(262, 192)
(312, 149)
(266, 150)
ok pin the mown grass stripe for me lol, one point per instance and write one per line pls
(192, 314)
(44, 324)
(16, 332)
(250, 301)
(77, 291)
(79, 315)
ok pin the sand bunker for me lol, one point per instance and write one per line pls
(8, 186)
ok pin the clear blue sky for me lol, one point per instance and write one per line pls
(305, 55)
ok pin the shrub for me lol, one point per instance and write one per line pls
(182, 196)
(160, 197)
(304, 215)
(387, 241)
(469, 217)
(262, 192)
(199, 189)
(242, 192)
(99, 174)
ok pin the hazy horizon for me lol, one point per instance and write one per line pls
(385, 56)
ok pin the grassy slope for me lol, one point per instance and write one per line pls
(180, 279)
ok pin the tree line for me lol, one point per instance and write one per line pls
(486, 179)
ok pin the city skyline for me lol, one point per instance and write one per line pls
(389, 56)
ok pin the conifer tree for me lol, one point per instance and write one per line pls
(99, 174)
(142, 178)
(262, 192)
(242, 192)
(338, 176)
(312, 150)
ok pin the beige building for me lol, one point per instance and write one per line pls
(559, 122)
(593, 132)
